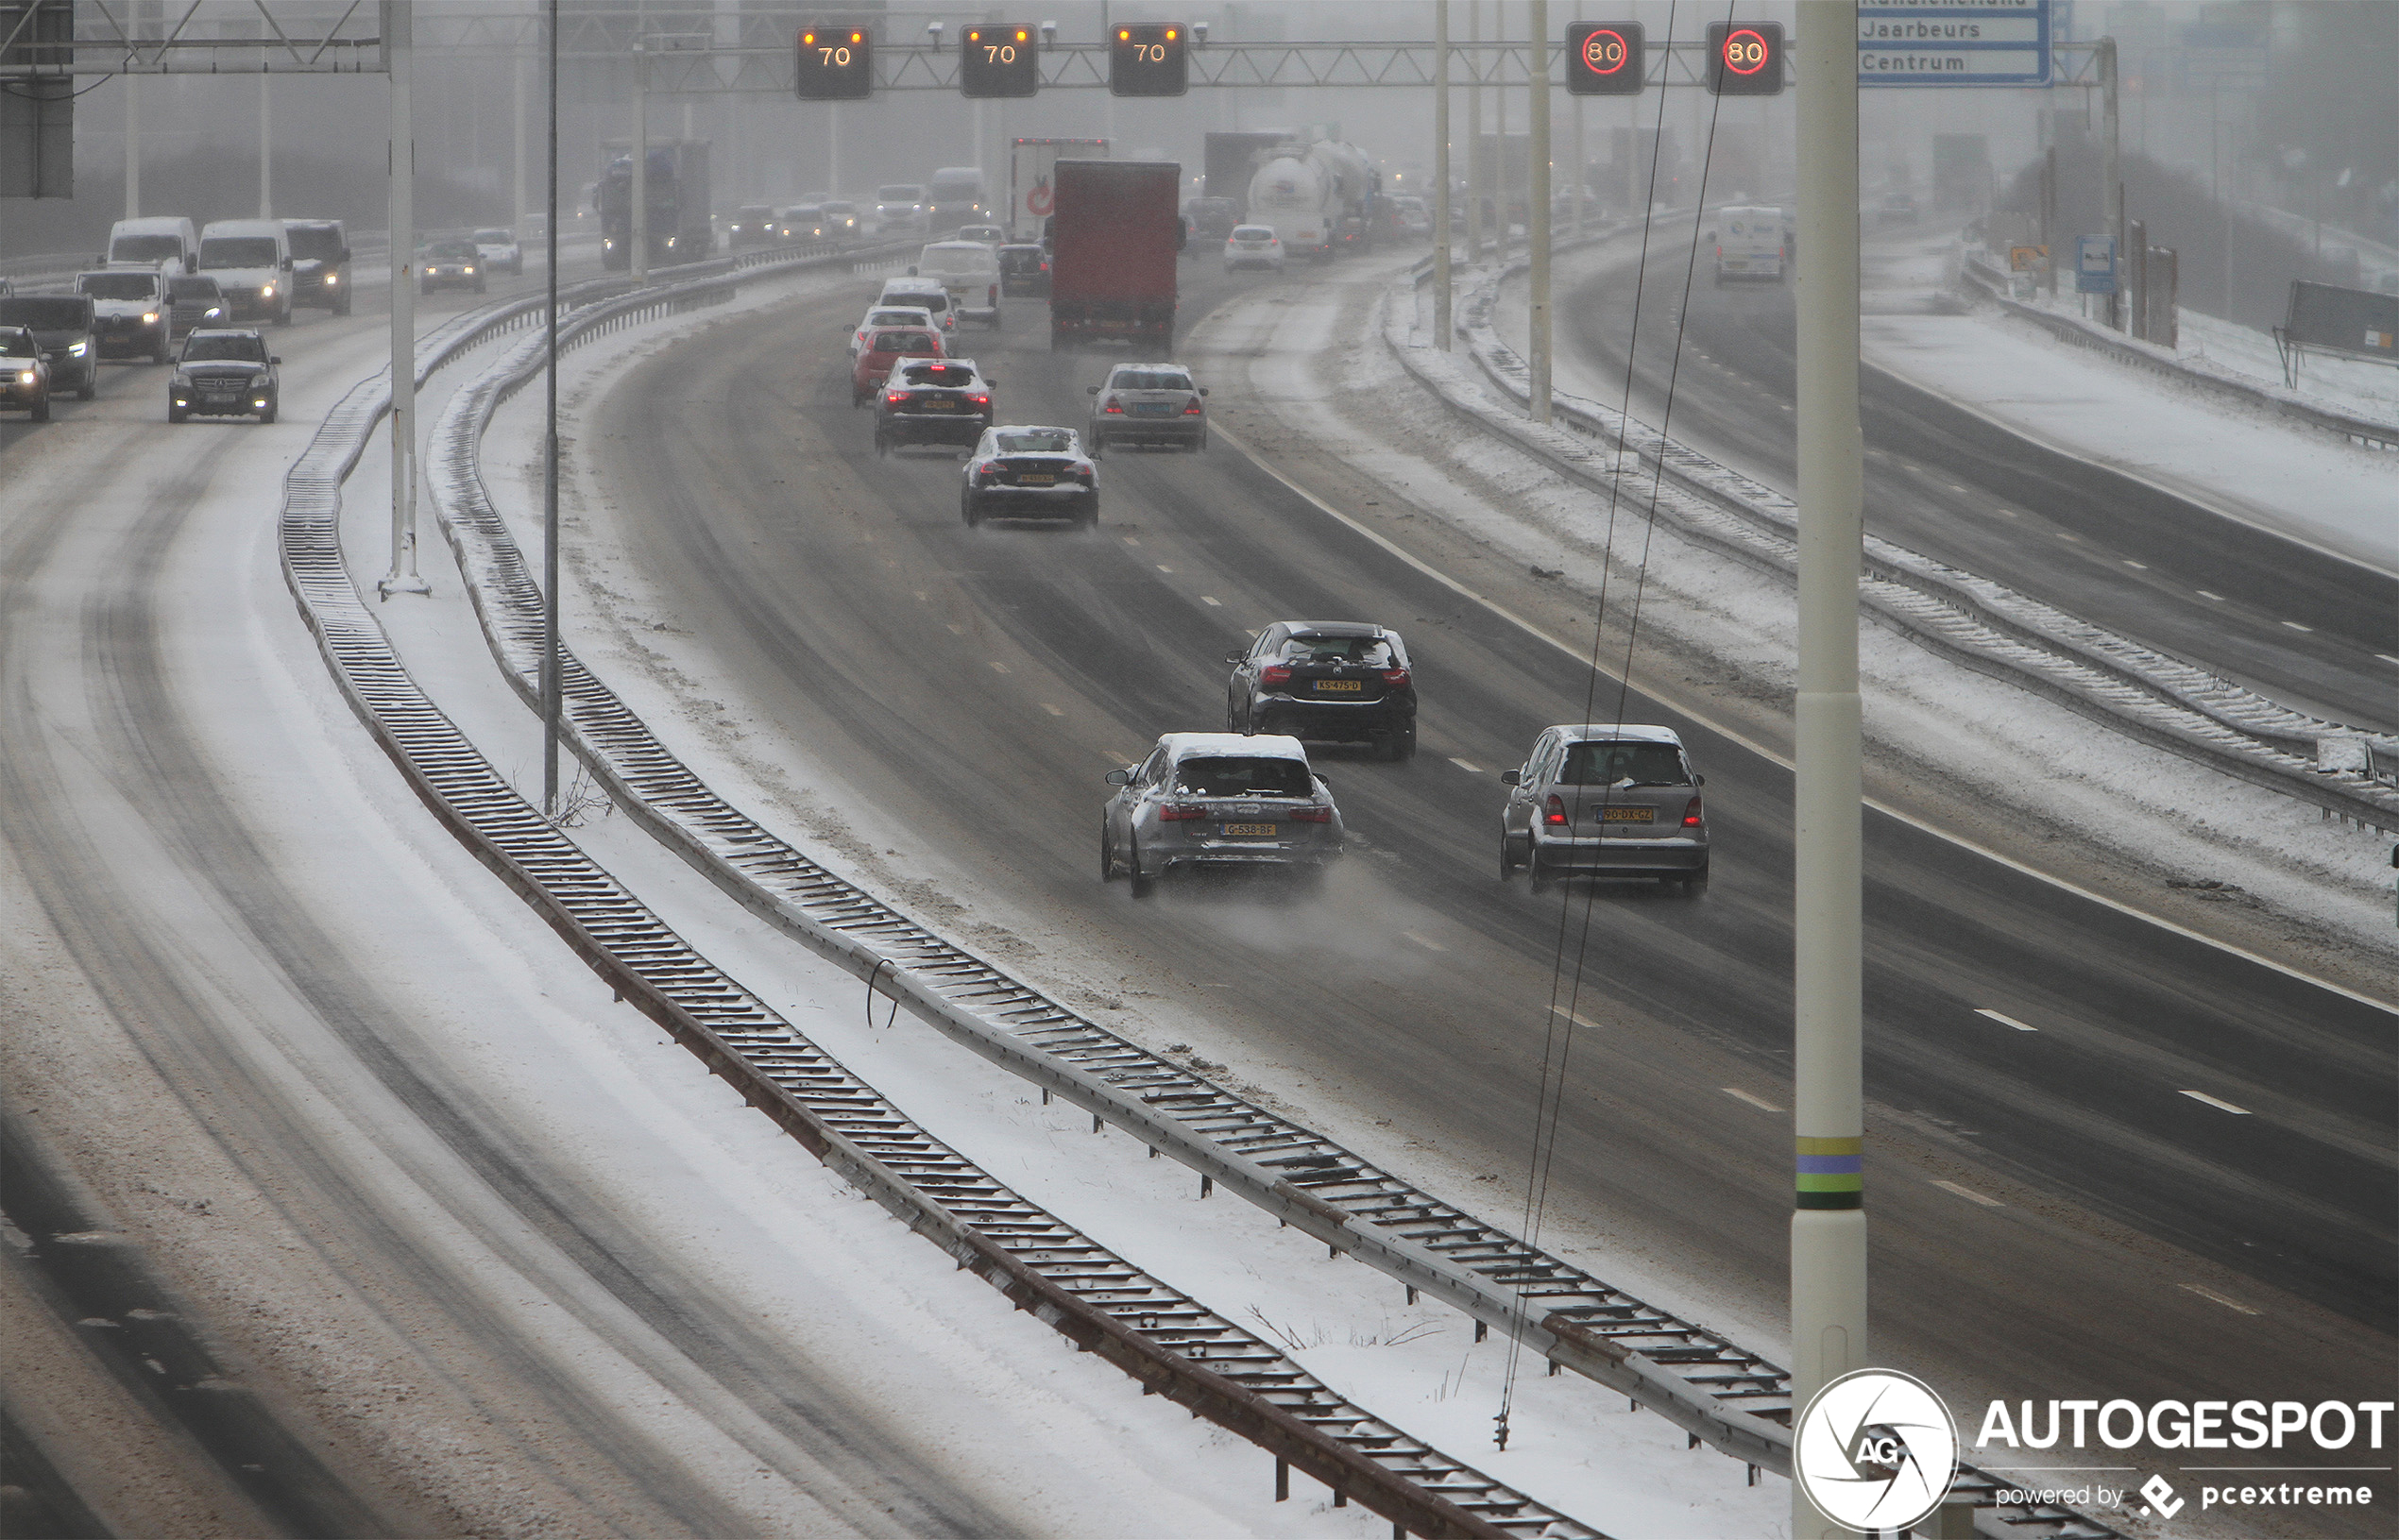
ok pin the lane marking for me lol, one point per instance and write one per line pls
(2217, 1102)
(2005, 1021)
(2074, 538)
(999, 667)
(921, 599)
(1216, 603)
(1130, 541)
(2005, 513)
(1971, 1194)
(1955, 487)
(2204, 594)
(2386, 658)
(1051, 709)
(1579, 656)
(1164, 569)
(2296, 626)
(1759, 1102)
(2224, 1301)
(1429, 946)
(2137, 567)
(957, 630)
(1471, 769)
(1576, 1016)
(1114, 756)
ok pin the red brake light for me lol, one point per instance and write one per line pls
(896, 397)
(1192, 410)
(1179, 812)
(1312, 814)
(1395, 676)
(1556, 813)
(1691, 814)
(1113, 405)
(980, 400)
(1275, 673)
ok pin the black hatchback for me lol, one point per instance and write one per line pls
(1326, 680)
(932, 401)
(1024, 272)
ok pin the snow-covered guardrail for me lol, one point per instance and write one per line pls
(1974, 620)
(1993, 282)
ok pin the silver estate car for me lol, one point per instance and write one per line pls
(1605, 799)
(1146, 403)
(1217, 799)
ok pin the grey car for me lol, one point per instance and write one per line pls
(1605, 799)
(1218, 800)
(62, 325)
(1147, 403)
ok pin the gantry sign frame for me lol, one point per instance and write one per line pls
(310, 38)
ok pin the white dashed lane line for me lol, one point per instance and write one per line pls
(1051, 709)
(2227, 1301)
(1971, 1194)
(2388, 658)
(1163, 568)
(1759, 1102)
(1427, 945)
(2204, 594)
(1212, 603)
(2296, 626)
(1471, 769)
(999, 667)
(2137, 567)
(2006, 1020)
(2217, 1103)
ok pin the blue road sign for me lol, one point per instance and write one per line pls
(1954, 42)
(2095, 264)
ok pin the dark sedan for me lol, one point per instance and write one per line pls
(1332, 681)
(930, 400)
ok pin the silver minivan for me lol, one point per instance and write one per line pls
(1610, 799)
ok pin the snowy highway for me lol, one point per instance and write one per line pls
(970, 687)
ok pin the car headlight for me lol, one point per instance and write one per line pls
(77, 349)
(213, 312)
(149, 317)
(331, 278)
(266, 291)
(260, 403)
(471, 272)
(24, 377)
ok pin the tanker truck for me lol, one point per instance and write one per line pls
(1319, 200)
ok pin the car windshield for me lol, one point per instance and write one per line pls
(899, 192)
(18, 344)
(1375, 652)
(902, 342)
(238, 252)
(1253, 232)
(145, 247)
(317, 243)
(1150, 380)
(44, 314)
(454, 250)
(186, 289)
(753, 213)
(841, 210)
(225, 345)
(495, 238)
(949, 376)
(1609, 763)
(119, 285)
(1036, 441)
(1241, 775)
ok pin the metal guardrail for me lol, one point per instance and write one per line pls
(1980, 623)
(1717, 1391)
(2369, 432)
(1170, 1343)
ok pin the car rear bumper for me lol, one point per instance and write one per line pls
(1131, 430)
(1034, 501)
(1593, 855)
(896, 429)
(1337, 721)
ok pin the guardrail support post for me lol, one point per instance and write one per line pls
(2111, 175)
(1827, 1221)
(132, 147)
(1474, 185)
(1282, 1480)
(398, 31)
(1441, 283)
(1537, 205)
(640, 256)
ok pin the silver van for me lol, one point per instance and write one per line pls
(150, 242)
(1606, 800)
(251, 260)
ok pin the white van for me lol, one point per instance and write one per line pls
(1749, 246)
(150, 242)
(968, 272)
(251, 260)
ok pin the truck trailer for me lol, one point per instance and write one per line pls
(1116, 231)
(1233, 159)
(1032, 192)
(678, 193)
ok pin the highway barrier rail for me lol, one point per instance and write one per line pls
(1171, 1343)
(1982, 624)
(1717, 1391)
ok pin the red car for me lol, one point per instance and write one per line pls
(885, 347)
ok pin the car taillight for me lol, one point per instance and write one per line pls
(980, 400)
(1113, 405)
(994, 295)
(1082, 473)
(1179, 812)
(1275, 673)
(896, 397)
(1556, 813)
(1691, 814)
(1312, 814)
(1192, 409)
(1395, 676)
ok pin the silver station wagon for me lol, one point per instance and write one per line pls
(1605, 799)
(1217, 799)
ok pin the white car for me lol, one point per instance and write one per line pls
(879, 315)
(499, 248)
(969, 271)
(989, 235)
(920, 291)
(1254, 245)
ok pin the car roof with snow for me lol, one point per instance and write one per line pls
(1183, 746)
(1619, 731)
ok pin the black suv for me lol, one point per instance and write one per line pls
(320, 264)
(61, 324)
(1332, 681)
(932, 401)
(224, 373)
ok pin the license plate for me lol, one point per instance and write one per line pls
(1036, 480)
(1149, 409)
(938, 406)
(1628, 815)
(1249, 831)
(1352, 687)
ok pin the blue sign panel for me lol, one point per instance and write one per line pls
(1954, 42)
(2095, 264)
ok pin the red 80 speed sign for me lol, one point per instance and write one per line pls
(1745, 51)
(1605, 53)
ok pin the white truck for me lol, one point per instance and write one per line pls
(1750, 245)
(1318, 197)
(1033, 185)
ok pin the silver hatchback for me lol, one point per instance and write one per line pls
(1217, 799)
(1605, 799)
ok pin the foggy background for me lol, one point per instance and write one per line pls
(2246, 127)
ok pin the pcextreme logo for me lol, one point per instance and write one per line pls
(1875, 1450)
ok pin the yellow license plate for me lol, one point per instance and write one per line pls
(1628, 815)
(937, 405)
(1036, 480)
(1352, 687)
(1250, 831)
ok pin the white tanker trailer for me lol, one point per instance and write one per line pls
(1319, 198)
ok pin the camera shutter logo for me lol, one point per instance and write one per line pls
(1876, 1450)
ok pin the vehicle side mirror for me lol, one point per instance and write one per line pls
(1118, 777)
(912, 272)
(274, 358)
(1235, 657)
(1204, 390)
(345, 253)
(991, 379)
(1324, 781)
(1511, 777)
(1090, 390)
(1699, 780)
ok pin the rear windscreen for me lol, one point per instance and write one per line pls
(1372, 651)
(1148, 380)
(45, 313)
(949, 376)
(1045, 442)
(238, 252)
(1608, 764)
(900, 342)
(145, 247)
(1241, 776)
